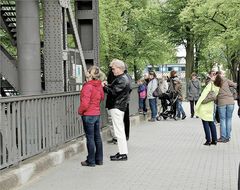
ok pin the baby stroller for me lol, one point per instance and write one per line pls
(168, 101)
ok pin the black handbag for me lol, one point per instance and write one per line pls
(156, 92)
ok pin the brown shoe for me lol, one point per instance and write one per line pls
(151, 120)
(85, 163)
(222, 140)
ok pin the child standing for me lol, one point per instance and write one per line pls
(142, 92)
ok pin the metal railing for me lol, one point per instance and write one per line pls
(30, 125)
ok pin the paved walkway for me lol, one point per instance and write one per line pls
(165, 155)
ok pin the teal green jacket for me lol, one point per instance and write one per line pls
(205, 111)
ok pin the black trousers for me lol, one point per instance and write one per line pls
(126, 121)
(217, 117)
(192, 103)
(174, 109)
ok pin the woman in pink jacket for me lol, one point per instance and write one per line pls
(91, 96)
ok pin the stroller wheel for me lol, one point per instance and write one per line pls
(158, 118)
(165, 118)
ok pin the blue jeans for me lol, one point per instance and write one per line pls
(180, 110)
(153, 107)
(142, 104)
(210, 131)
(225, 114)
(91, 125)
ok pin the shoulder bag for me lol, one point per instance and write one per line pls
(211, 96)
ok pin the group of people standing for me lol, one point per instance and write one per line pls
(171, 86)
(223, 106)
(118, 88)
(219, 110)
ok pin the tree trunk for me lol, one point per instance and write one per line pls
(197, 58)
(135, 71)
(189, 57)
(234, 66)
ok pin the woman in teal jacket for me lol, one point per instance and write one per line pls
(206, 111)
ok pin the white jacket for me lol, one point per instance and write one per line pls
(152, 85)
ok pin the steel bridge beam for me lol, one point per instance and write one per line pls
(54, 64)
(87, 16)
(28, 46)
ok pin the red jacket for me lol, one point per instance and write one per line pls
(91, 96)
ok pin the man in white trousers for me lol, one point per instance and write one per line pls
(119, 90)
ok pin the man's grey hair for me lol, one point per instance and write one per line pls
(118, 63)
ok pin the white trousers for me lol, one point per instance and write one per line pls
(118, 125)
(112, 133)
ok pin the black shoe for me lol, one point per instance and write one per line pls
(85, 163)
(183, 117)
(99, 163)
(207, 143)
(112, 141)
(214, 142)
(120, 157)
(191, 116)
(115, 155)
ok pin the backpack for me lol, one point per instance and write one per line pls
(142, 91)
(171, 87)
(234, 92)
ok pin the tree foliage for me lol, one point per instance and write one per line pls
(126, 33)
(5, 41)
(219, 25)
(143, 33)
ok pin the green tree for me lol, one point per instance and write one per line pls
(5, 41)
(166, 18)
(126, 33)
(218, 22)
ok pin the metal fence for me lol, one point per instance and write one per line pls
(30, 125)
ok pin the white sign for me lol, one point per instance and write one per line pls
(78, 73)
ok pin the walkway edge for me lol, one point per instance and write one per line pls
(30, 168)
(36, 165)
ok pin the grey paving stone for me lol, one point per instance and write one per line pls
(164, 155)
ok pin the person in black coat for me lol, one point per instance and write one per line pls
(126, 118)
(119, 90)
(109, 105)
